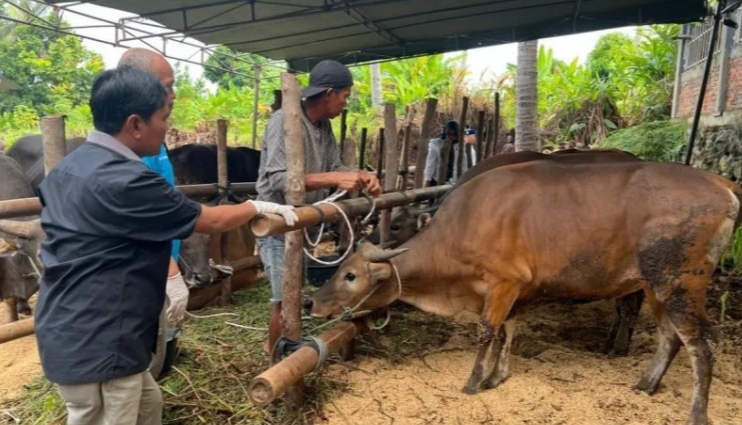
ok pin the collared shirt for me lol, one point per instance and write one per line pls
(109, 221)
(321, 155)
(161, 165)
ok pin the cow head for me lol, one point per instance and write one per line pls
(364, 282)
(27, 236)
(194, 260)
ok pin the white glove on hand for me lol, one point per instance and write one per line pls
(286, 211)
(177, 293)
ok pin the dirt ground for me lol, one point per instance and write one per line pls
(19, 362)
(557, 375)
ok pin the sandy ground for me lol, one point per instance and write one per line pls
(19, 362)
(557, 377)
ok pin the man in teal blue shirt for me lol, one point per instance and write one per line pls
(161, 165)
(156, 64)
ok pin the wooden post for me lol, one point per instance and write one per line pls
(461, 150)
(16, 330)
(293, 271)
(422, 142)
(343, 129)
(480, 136)
(223, 179)
(52, 134)
(380, 162)
(404, 168)
(490, 138)
(496, 131)
(270, 384)
(362, 153)
(265, 225)
(349, 160)
(392, 164)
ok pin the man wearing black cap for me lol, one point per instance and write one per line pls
(329, 88)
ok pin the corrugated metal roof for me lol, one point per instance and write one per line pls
(304, 32)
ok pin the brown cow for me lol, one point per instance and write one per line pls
(542, 231)
(407, 221)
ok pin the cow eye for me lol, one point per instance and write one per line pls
(350, 277)
(395, 227)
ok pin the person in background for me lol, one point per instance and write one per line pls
(329, 88)
(430, 174)
(109, 222)
(156, 64)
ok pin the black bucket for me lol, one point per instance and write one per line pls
(318, 274)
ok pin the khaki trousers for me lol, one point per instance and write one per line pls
(131, 400)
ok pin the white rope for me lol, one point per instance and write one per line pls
(251, 328)
(210, 315)
(331, 201)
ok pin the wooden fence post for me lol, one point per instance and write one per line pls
(392, 164)
(422, 142)
(293, 272)
(362, 152)
(461, 150)
(223, 179)
(480, 138)
(496, 131)
(54, 143)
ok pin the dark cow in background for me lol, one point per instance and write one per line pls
(196, 164)
(28, 152)
(20, 265)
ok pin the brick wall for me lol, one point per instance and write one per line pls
(690, 87)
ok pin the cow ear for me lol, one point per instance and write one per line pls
(379, 272)
(423, 220)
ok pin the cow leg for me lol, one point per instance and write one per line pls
(669, 344)
(23, 307)
(688, 316)
(502, 344)
(11, 315)
(624, 321)
(496, 309)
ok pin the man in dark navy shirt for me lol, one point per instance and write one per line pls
(109, 221)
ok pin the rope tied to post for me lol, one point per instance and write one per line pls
(330, 200)
(285, 346)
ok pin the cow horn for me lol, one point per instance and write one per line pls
(374, 254)
(22, 229)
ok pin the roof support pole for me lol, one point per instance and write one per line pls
(704, 81)
(293, 272)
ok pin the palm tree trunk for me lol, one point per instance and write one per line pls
(376, 96)
(526, 92)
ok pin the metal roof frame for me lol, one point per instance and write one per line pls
(302, 32)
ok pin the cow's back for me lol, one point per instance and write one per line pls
(566, 224)
(197, 164)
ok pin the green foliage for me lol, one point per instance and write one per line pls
(49, 67)
(662, 141)
(624, 82)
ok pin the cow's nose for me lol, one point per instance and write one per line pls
(204, 278)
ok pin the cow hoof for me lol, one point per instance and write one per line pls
(493, 383)
(470, 390)
(645, 387)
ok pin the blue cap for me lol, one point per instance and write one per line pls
(470, 131)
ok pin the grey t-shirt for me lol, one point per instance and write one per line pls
(321, 155)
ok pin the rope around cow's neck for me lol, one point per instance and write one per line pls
(331, 201)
